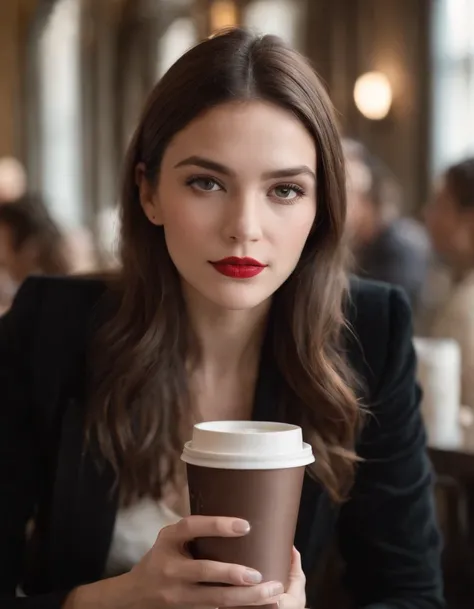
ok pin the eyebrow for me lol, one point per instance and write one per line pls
(198, 161)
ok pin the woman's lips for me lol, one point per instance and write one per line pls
(239, 268)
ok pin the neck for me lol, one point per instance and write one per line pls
(228, 342)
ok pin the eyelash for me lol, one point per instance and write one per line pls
(193, 179)
(299, 191)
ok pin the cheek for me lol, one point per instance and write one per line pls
(187, 229)
(293, 231)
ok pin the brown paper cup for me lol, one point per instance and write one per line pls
(265, 490)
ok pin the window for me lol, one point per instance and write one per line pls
(453, 82)
(178, 38)
(59, 113)
(284, 18)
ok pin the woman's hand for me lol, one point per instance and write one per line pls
(168, 577)
(295, 596)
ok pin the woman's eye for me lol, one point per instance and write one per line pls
(288, 192)
(204, 184)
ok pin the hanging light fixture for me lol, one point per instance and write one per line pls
(373, 95)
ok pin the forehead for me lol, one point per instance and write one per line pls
(246, 134)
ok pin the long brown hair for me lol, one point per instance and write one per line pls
(139, 385)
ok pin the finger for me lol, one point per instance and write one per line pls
(275, 600)
(295, 596)
(194, 527)
(296, 569)
(209, 571)
(290, 602)
(296, 579)
(233, 596)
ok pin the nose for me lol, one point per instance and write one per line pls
(242, 222)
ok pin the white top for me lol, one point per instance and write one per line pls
(456, 321)
(135, 532)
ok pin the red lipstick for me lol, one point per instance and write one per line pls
(238, 268)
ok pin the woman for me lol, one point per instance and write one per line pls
(450, 220)
(231, 304)
(30, 242)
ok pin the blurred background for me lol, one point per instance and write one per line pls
(75, 74)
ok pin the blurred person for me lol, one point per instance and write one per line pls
(450, 221)
(30, 243)
(386, 246)
(13, 182)
(232, 301)
(79, 245)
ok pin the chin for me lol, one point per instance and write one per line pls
(240, 298)
(231, 296)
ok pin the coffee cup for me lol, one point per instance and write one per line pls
(254, 471)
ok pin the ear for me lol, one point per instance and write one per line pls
(148, 197)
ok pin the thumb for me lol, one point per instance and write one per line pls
(295, 596)
(296, 579)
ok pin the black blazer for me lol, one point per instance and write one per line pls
(387, 531)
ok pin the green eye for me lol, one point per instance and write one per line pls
(288, 192)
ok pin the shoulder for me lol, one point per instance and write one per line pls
(86, 286)
(379, 331)
(74, 292)
(371, 303)
(51, 309)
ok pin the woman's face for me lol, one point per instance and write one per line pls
(237, 182)
(450, 228)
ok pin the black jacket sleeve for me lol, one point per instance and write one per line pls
(387, 530)
(19, 451)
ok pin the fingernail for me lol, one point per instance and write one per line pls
(275, 589)
(252, 577)
(241, 526)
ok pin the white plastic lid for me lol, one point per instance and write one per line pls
(247, 445)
